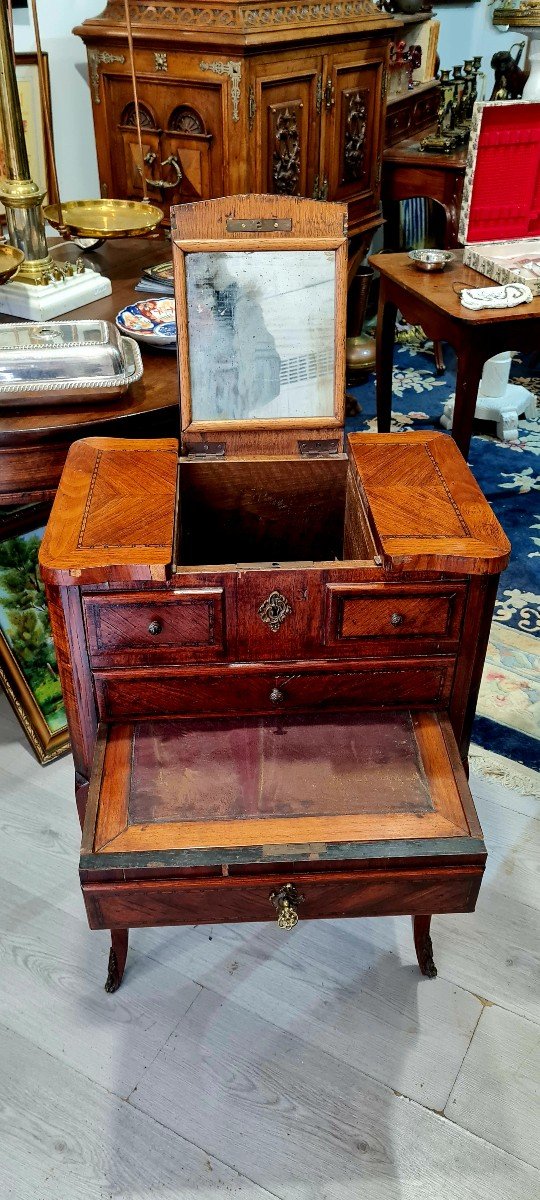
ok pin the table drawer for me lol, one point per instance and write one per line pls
(371, 684)
(396, 620)
(383, 892)
(162, 626)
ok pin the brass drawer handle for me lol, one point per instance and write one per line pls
(396, 619)
(277, 696)
(155, 627)
(286, 901)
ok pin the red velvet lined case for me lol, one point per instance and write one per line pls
(500, 217)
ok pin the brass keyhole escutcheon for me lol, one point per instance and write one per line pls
(274, 609)
(286, 901)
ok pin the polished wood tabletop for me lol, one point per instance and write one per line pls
(440, 290)
(34, 441)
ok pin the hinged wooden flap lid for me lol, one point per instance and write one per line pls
(187, 793)
(501, 195)
(426, 509)
(261, 296)
(113, 515)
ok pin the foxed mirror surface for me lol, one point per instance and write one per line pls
(261, 334)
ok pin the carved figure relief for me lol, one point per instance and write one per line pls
(354, 140)
(286, 155)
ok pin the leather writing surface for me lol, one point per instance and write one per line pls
(276, 767)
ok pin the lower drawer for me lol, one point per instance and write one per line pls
(385, 892)
(211, 692)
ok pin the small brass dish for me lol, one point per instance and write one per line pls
(104, 218)
(10, 261)
(430, 260)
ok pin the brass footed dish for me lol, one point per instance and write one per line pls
(104, 218)
(10, 261)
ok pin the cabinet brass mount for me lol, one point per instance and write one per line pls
(286, 901)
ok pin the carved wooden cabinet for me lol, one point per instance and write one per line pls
(239, 97)
(270, 641)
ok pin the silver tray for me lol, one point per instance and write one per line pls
(59, 361)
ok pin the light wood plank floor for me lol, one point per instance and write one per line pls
(241, 1061)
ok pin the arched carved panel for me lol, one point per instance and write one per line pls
(128, 118)
(185, 119)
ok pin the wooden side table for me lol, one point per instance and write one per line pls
(34, 441)
(432, 302)
(408, 172)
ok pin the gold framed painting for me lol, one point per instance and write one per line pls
(26, 70)
(28, 671)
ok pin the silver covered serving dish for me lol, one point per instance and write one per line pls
(62, 360)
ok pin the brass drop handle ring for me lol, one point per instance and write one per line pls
(396, 619)
(171, 161)
(155, 627)
(286, 901)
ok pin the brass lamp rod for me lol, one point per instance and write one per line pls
(21, 197)
(46, 110)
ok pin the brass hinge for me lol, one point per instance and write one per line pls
(329, 98)
(384, 84)
(316, 188)
(323, 191)
(258, 224)
(252, 107)
(379, 170)
(319, 448)
(318, 94)
(206, 450)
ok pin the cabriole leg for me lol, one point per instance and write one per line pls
(423, 946)
(117, 959)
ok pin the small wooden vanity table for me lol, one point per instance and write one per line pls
(271, 644)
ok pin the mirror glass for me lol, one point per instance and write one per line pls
(261, 334)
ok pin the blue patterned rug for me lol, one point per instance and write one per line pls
(508, 714)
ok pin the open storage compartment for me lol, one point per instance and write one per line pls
(269, 511)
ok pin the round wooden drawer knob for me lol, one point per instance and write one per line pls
(396, 619)
(155, 627)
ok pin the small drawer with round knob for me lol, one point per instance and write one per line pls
(393, 618)
(160, 626)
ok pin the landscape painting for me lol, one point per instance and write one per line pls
(261, 335)
(28, 667)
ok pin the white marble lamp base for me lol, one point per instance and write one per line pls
(36, 303)
(498, 399)
(506, 410)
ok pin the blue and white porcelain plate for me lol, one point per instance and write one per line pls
(151, 321)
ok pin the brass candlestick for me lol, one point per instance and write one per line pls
(21, 197)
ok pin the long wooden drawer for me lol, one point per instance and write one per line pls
(248, 689)
(162, 626)
(393, 619)
(390, 891)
